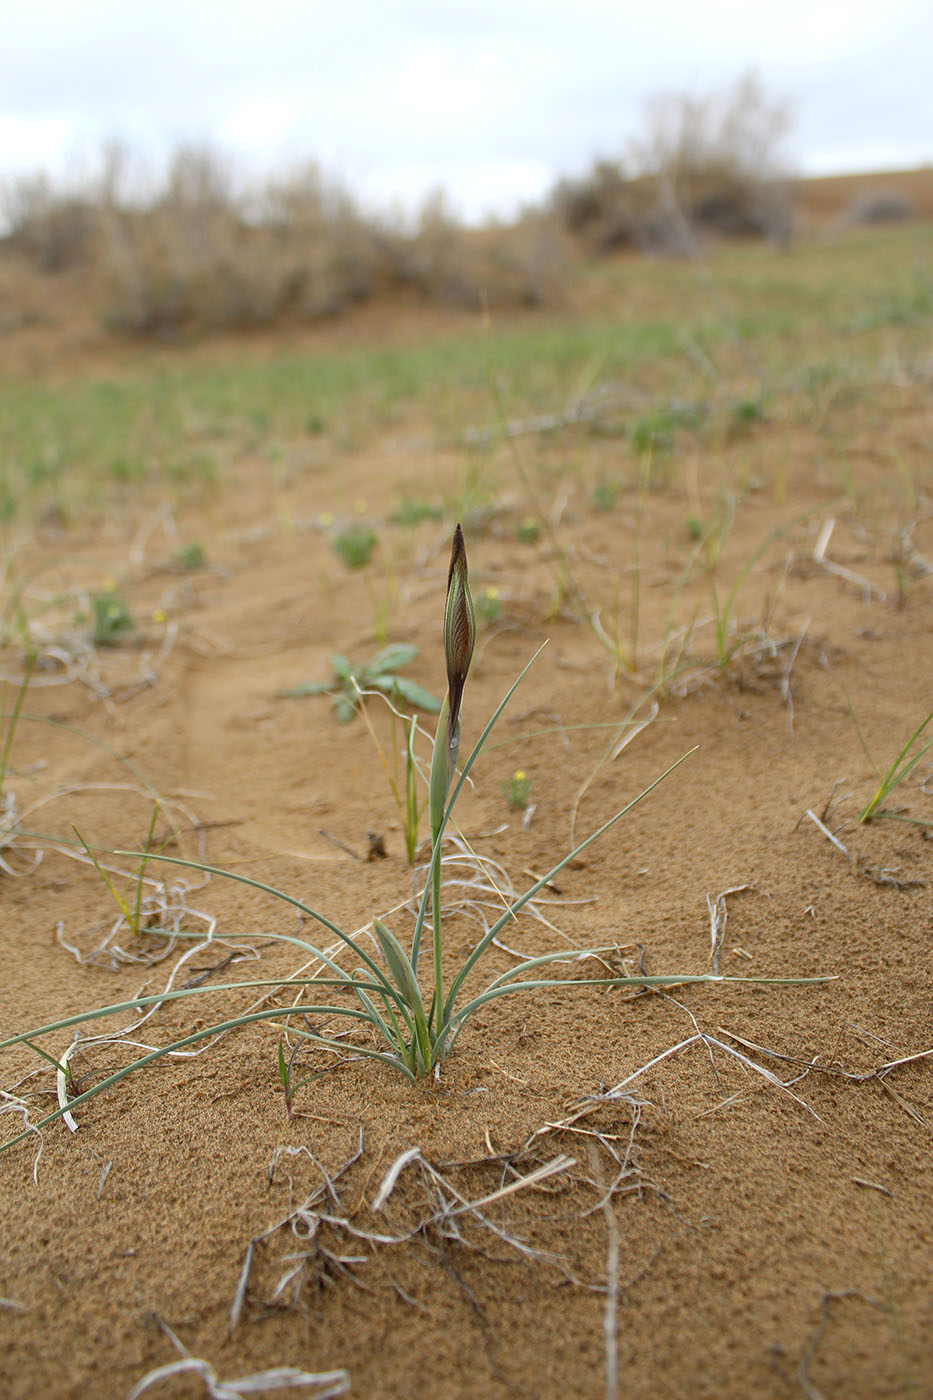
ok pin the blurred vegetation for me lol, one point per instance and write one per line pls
(199, 254)
(708, 165)
(664, 363)
(196, 251)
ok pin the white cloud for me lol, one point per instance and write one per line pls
(492, 99)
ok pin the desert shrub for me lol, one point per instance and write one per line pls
(188, 258)
(880, 207)
(444, 262)
(708, 164)
(53, 227)
(720, 158)
(201, 256)
(607, 207)
(196, 250)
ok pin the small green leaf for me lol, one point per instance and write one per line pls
(342, 668)
(390, 658)
(345, 708)
(414, 693)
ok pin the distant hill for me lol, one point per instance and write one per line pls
(832, 199)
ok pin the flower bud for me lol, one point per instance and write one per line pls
(459, 628)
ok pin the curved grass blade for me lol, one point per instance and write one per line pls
(896, 773)
(277, 894)
(477, 749)
(452, 1027)
(219, 1028)
(539, 884)
(154, 998)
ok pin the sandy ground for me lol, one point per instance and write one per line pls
(741, 1195)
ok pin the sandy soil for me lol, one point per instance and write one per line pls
(721, 1226)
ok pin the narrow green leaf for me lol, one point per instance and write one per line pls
(297, 692)
(896, 774)
(539, 884)
(219, 1028)
(322, 919)
(118, 897)
(154, 998)
(438, 814)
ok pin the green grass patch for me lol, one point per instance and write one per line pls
(71, 444)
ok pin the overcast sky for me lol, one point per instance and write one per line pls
(492, 99)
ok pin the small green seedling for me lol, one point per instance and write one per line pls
(381, 673)
(728, 642)
(528, 530)
(110, 619)
(517, 790)
(285, 1074)
(900, 768)
(190, 556)
(130, 912)
(654, 433)
(489, 605)
(355, 545)
(605, 494)
(747, 412)
(404, 785)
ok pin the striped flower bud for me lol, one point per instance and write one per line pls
(459, 631)
(459, 636)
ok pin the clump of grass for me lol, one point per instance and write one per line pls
(728, 639)
(403, 777)
(414, 1029)
(604, 496)
(380, 673)
(412, 511)
(354, 546)
(190, 556)
(517, 790)
(111, 621)
(655, 432)
(747, 412)
(489, 605)
(130, 903)
(528, 530)
(904, 764)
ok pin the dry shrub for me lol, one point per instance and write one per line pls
(880, 207)
(197, 253)
(55, 228)
(190, 258)
(720, 157)
(507, 266)
(202, 258)
(709, 164)
(200, 254)
(605, 207)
